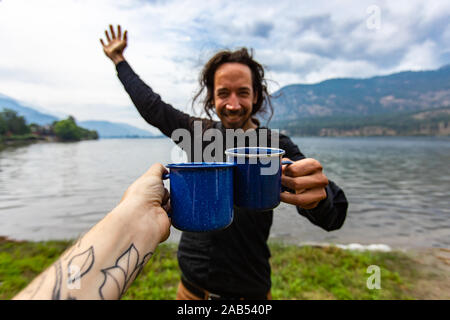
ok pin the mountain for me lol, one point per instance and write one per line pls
(431, 122)
(31, 115)
(407, 91)
(107, 129)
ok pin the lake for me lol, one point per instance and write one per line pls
(398, 188)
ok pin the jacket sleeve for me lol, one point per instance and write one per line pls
(149, 104)
(331, 212)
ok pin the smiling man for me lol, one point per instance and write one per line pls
(232, 263)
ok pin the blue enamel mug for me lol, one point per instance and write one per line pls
(201, 195)
(257, 177)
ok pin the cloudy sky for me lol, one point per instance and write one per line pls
(51, 57)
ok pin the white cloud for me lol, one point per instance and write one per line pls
(420, 57)
(51, 56)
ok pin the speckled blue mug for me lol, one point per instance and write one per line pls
(257, 177)
(201, 195)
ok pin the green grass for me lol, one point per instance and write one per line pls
(20, 262)
(332, 273)
(297, 272)
(159, 278)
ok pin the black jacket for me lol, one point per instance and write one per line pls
(233, 261)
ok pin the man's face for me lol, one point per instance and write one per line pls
(233, 95)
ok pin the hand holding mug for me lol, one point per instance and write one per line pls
(307, 179)
(148, 197)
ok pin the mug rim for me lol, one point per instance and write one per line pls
(233, 152)
(200, 165)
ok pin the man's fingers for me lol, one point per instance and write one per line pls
(307, 200)
(299, 169)
(167, 208)
(107, 36)
(156, 170)
(166, 197)
(112, 31)
(101, 41)
(289, 182)
(125, 35)
(306, 182)
(119, 32)
(311, 206)
(302, 168)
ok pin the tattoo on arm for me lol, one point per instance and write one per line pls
(77, 267)
(56, 295)
(118, 277)
(74, 247)
(80, 264)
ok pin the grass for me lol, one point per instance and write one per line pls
(332, 273)
(20, 262)
(297, 272)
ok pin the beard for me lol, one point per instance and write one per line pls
(225, 112)
(241, 113)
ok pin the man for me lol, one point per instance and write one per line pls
(232, 263)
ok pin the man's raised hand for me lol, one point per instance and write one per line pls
(116, 44)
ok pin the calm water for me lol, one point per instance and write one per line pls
(398, 188)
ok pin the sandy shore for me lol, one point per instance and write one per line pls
(433, 265)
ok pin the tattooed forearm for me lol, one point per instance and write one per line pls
(118, 277)
(63, 279)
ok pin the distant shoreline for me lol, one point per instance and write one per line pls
(17, 142)
(133, 137)
(26, 142)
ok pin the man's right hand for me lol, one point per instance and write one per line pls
(116, 44)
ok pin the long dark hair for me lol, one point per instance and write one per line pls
(206, 80)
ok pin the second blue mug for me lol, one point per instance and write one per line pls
(257, 178)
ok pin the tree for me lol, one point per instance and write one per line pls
(13, 123)
(3, 126)
(67, 130)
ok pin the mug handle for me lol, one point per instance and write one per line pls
(165, 177)
(283, 188)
